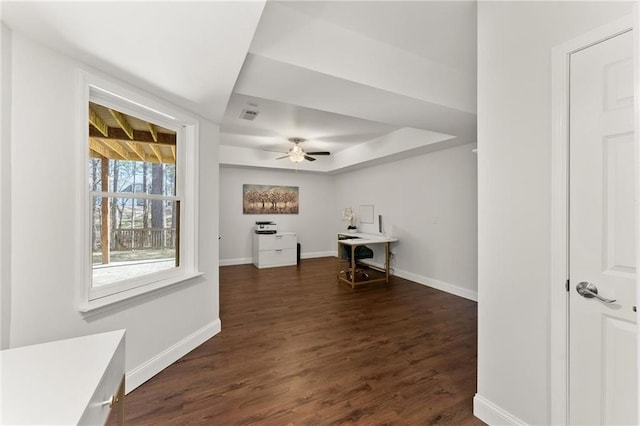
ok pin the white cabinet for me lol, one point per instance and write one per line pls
(270, 250)
(67, 382)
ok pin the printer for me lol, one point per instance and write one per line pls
(265, 228)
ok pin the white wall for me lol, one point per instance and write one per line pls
(161, 326)
(429, 202)
(316, 219)
(514, 170)
(5, 185)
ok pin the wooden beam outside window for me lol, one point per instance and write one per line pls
(138, 136)
(105, 234)
(138, 151)
(157, 152)
(117, 148)
(122, 122)
(98, 123)
(100, 149)
(153, 131)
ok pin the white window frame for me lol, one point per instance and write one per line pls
(130, 101)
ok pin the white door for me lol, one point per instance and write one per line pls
(602, 333)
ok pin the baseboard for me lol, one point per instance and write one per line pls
(239, 261)
(313, 255)
(150, 368)
(431, 282)
(491, 414)
(438, 285)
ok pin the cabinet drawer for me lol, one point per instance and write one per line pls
(277, 257)
(97, 411)
(276, 242)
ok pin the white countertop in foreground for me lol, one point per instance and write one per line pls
(56, 382)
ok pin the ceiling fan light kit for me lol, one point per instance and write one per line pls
(296, 154)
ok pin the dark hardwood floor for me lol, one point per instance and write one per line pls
(296, 348)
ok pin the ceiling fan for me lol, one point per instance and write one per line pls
(297, 154)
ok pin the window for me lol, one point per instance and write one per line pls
(139, 222)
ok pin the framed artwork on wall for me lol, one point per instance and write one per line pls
(269, 199)
(366, 213)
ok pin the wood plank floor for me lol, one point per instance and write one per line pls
(296, 348)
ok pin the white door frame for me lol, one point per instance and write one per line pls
(636, 93)
(558, 295)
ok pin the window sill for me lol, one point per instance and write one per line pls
(109, 302)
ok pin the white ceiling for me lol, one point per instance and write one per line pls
(187, 52)
(444, 32)
(278, 121)
(343, 74)
(366, 80)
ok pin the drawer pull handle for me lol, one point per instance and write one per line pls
(109, 401)
(278, 249)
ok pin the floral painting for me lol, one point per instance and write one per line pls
(268, 199)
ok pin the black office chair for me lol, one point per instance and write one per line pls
(361, 252)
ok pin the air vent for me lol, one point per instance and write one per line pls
(249, 114)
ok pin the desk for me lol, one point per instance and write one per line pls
(358, 239)
(66, 382)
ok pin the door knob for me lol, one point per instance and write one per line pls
(589, 290)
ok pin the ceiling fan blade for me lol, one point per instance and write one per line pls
(284, 156)
(306, 157)
(273, 150)
(318, 153)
